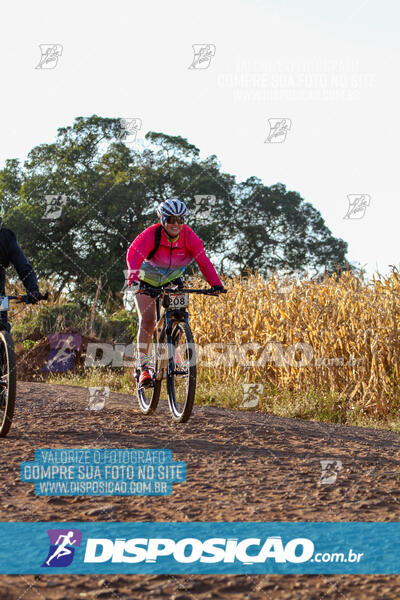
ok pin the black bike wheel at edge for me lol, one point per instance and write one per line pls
(8, 381)
(148, 397)
(181, 411)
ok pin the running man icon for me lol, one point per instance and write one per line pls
(61, 549)
(60, 555)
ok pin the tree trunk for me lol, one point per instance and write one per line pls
(94, 305)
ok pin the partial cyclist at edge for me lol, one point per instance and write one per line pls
(157, 256)
(11, 253)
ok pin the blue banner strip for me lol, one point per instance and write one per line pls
(195, 548)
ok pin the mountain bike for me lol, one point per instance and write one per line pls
(172, 353)
(8, 374)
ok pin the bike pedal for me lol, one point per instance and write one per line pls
(147, 384)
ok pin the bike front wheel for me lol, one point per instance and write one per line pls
(181, 373)
(8, 382)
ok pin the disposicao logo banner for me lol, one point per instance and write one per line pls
(192, 548)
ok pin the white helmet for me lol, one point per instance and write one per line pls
(171, 207)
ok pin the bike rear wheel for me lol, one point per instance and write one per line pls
(181, 373)
(148, 397)
(8, 382)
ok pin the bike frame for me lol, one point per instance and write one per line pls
(166, 320)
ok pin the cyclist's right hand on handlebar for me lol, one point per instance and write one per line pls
(135, 286)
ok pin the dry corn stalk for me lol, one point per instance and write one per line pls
(351, 326)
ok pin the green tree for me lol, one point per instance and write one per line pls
(112, 193)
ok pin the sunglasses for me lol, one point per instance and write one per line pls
(172, 220)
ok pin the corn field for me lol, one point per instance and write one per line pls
(340, 336)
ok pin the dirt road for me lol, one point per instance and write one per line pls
(241, 466)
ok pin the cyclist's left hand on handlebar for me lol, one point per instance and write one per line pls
(217, 289)
(33, 297)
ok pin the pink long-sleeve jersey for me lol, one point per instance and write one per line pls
(171, 258)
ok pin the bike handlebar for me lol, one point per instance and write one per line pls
(208, 292)
(26, 297)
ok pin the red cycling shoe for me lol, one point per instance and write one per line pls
(145, 379)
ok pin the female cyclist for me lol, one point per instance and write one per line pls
(158, 256)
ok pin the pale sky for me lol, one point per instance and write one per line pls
(331, 68)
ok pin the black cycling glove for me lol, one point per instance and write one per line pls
(34, 296)
(217, 288)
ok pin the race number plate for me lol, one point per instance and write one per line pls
(4, 303)
(179, 301)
